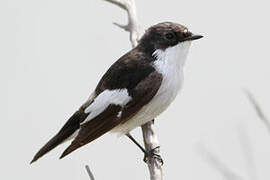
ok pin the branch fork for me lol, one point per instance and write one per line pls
(132, 26)
(150, 137)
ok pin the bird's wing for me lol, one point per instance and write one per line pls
(113, 107)
(128, 85)
(67, 131)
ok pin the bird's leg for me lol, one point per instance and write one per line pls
(135, 142)
(147, 154)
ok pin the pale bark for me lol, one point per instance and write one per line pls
(149, 135)
(151, 142)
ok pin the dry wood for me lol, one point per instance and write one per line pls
(149, 135)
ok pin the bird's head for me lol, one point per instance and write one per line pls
(167, 34)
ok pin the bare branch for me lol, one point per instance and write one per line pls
(149, 135)
(215, 162)
(91, 176)
(258, 109)
(125, 27)
(132, 27)
(151, 142)
(119, 3)
(248, 152)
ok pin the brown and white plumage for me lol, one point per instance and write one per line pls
(134, 90)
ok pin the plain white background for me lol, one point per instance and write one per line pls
(53, 53)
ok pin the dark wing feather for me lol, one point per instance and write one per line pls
(142, 94)
(132, 72)
(126, 72)
(65, 132)
(95, 128)
(108, 119)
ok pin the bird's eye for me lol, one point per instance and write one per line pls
(169, 36)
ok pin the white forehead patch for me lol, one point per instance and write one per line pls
(186, 30)
(104, 99)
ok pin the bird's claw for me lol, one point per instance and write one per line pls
(152, 154)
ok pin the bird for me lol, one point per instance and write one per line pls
(136, 89)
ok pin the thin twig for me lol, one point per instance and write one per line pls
(119, 3)
(91, 176)
(216, 163)
(149, 135)
(248, 152)
(258, 109)
(132, 26)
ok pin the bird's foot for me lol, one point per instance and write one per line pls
(153, 153)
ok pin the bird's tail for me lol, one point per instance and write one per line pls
(67, 131)
(55, 141)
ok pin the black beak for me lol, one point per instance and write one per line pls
(193, 37)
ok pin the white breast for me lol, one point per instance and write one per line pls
(169, 63)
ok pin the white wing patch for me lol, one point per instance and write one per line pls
(104, 99)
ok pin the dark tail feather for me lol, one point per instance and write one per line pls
(55, 141)
(68, 150)
(95, 128)
(67, 130)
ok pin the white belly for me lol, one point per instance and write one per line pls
(166, 94)
(170, 64)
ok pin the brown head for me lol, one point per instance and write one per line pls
(166, 34)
